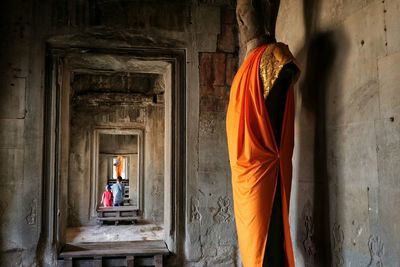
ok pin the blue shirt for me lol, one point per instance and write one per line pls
(118, 192)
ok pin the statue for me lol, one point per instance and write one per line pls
(260, 131)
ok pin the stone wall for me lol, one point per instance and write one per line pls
(211, 230)
(346, 187)
(202, 28)
(346, 184)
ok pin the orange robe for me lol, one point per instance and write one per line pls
(255, 160)
(119, 166)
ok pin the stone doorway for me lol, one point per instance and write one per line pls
(63, 66)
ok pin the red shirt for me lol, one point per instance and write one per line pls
(107, 199)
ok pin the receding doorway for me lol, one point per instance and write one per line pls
(114, 107)
(117, 129)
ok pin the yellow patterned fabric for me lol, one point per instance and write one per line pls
(275, 56)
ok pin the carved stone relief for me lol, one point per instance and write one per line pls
(195, 214)
(376, 249)
(156, 189)
(308, 241)
(223, 215)
(338, 238)
(32, 215)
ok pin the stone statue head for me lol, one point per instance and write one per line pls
(257, 18)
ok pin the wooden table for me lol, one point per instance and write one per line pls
(141, 253)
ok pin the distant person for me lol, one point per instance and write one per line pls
(107, 198)
(118, 192)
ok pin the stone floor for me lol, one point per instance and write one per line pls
(109, 233)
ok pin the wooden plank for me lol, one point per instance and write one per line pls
(117, 218)
(119, 244)
(130, 261)
(110, 253)
(139, 248)
(158, 260)
(119, 208)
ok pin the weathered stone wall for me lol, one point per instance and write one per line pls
(21, 136)
(345, 188)
(197, 27)
(346, 185)
(211, 230)
(154, 165)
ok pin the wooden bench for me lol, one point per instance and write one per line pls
(132, 253)
(117, 214)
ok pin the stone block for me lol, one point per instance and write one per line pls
(213, 91)
(231, 68)
(352, 153)
(12, 95)
(11, 133)
(206, 90)
(192, 244)
(12, 207)
(332, 12)
(290, 27)
(392, 11)
(12, 257)
(388, 140)
(212, 70)
(205, 68)
(389, 86)
(212, 185)
(141, 15)
(360, 44)
(213, 104)
(215, 159)
(353, 105)
(388, 149)
(219, 64)
(169, 17)
(206, 42)
(227, 40)
(11, 162)
(15, 34)
(301, 210)
(228, 16)
(206, 19)
(389, 233)
(352, 209)
(304, 156)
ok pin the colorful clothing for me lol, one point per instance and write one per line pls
(118, 193)
(107, 199)
(256, 160)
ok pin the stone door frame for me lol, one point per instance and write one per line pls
(56, 142)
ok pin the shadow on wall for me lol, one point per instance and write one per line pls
(319, 55)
